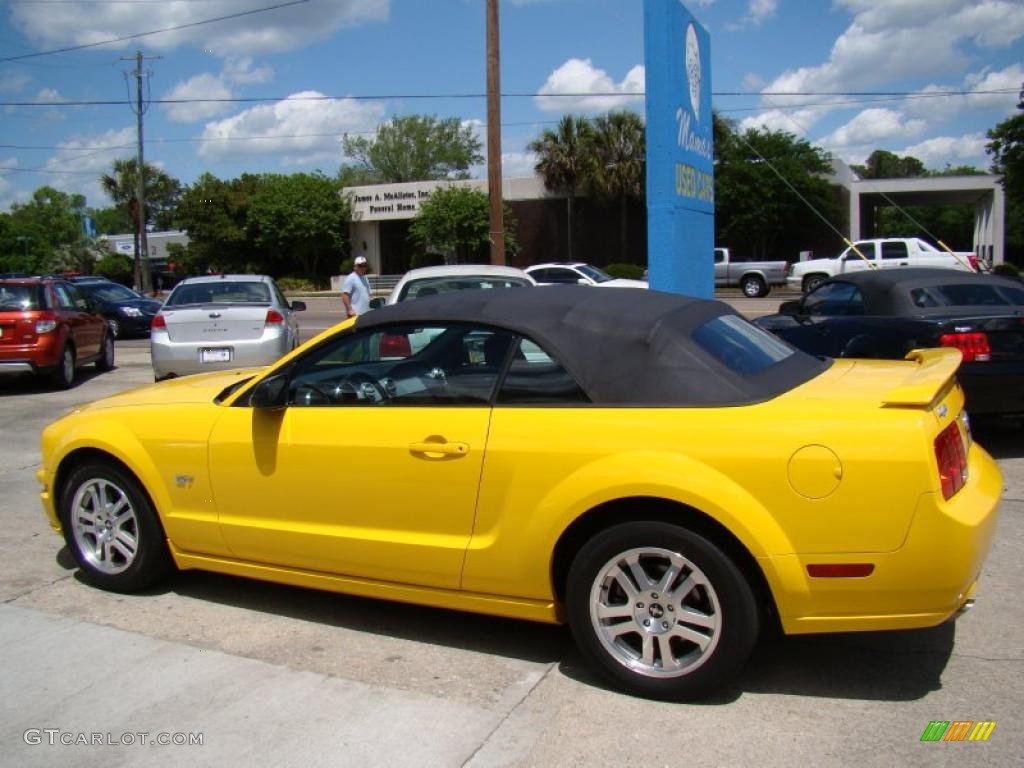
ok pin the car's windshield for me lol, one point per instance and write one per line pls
(594, 273)
(430, 286)
(226, 292)
(20, 298)
(110, 292)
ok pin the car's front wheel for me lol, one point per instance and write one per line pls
(753, 287)
(813, 281)
(112, 529)
(660, 610)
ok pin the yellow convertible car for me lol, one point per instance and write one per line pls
(651, 469)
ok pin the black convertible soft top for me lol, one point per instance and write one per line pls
(629, 346)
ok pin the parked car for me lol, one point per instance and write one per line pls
(222, 321)
(713, 481)
(754, 278)
(48, 328)
(128, 313)
(881, 253)
(430, 281)
(578, 273)
(887, 313)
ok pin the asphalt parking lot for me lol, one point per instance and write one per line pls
(270, 675)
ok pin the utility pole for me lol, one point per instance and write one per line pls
(494, 135)
(143, 279)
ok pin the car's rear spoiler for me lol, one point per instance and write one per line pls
(929, 380)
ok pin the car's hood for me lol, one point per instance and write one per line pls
(622, 282)
(201, 388)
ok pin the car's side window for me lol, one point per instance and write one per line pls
(834, 299)
(561, 276)
(868, 249)
(535, 378)
(65, 297)
(403, 365)
(894, 249)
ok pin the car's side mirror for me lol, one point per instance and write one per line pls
(298, 306)
(791, 308)
(376, 303)
(271, 393)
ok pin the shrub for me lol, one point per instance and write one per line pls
(297, 284)
(424, 259)
(1006, 270)
(627, 271)
(346, 265)
(116, 267)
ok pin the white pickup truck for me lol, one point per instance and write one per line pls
(755, 278)
(881, 252)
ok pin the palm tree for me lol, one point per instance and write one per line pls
(616, 164)
(562, 162)
(161, 192)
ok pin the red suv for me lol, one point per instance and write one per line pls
(48, 327)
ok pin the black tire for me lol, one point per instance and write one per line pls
(112, 530)
(813, 281)
(63, 375)
(106, 359)
(707, 621)
(115, 326)
(753, 287)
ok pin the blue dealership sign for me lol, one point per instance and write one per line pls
(680, 151)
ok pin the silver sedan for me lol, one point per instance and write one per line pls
(222, 321)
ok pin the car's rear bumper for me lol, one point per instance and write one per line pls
(40, 356)
(921, 584)
(184, 358)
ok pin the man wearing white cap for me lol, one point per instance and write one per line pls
(355, 290)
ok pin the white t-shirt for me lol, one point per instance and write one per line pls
(358, 289)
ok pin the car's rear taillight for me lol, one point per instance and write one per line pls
(274, 317)
(46, 323)
(973, 261)
(159, 323)
(395, 345)
(952, 460)
(973, 346)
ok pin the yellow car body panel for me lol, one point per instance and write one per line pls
(354, 499)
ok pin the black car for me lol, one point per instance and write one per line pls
(885, 313)
(127, 312)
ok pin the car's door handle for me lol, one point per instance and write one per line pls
(440, 449)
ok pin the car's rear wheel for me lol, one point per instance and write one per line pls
(660, 610)
(63, 375)
(112, 529)
(753, 287)
(106, 361)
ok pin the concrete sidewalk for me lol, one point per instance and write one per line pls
(69, 684)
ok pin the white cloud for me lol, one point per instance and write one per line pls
(51, 25)
(518, 165)
(12, 82)
(78, 164)
(760, 10)
(204, 86)
(955, 150)
(873, 126)
(579, 76)
(302, 129)
(238, 69)
(48, 96)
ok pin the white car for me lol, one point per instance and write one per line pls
(222, 321)
(578, 273)
(427, 281)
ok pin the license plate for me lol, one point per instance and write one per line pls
(219, 355)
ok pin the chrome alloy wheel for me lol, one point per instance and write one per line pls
(655, 612)
(104, 526)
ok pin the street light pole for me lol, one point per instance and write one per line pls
(494, 135)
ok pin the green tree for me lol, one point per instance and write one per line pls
(1006, 148)
(414, 148)
(562, 156)
(215, 213)
(39, 235)
(116, 267)
(302, 220)
(111, 221)
(456, 221)
(764, 183)
(615, 168)
(882, 164)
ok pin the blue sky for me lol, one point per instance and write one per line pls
(393, 57)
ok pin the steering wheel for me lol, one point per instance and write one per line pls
(309, 393)
(358, 379)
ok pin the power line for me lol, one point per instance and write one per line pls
(887, 95)
(137, 35)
